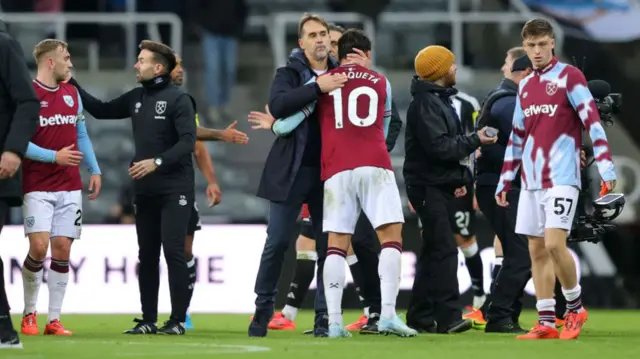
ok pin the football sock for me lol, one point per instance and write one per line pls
(356, 273)
(32, 274)
(547, 312)
(334, 277)
(497, 264)
(192, 269)
(304, 273)
(290, 313)
(389, 269)
(473, 262)
(574, 299)
(57, 281)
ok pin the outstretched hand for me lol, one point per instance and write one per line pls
(261, 120)
(230, 134)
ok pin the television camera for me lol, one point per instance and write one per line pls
(592, 227)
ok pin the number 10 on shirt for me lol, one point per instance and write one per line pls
(353, 96)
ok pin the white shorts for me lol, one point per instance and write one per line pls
(59, 213)
(546, 208)
(371, 189)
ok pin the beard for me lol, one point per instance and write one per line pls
(60, 77)
(320, 53)
(450, 80)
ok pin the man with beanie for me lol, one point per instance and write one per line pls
(435, 170)
(20, 109)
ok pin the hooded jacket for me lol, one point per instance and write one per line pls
(436, 146)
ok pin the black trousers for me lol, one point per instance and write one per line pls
(435, 295)
(5, 319)
(366, 247)
(504, 304)
(162, 221)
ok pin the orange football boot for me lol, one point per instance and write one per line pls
(476, 317)
(56, 328)
(559, 323)
(280, 322)
(358, 324)
(541, 331)
(573, 325)
(29, 324)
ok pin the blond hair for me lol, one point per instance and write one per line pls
(516, 52)
(46, 46)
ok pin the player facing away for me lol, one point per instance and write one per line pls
(357, 169)
(552, 108)
(52, 185)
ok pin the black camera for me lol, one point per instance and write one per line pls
(593, 227)
(608, 103)
(609, 106)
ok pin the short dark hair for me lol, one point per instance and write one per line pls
(353, 38)
(162, 53)
(306, 17)
(537, 28)
(338, 28)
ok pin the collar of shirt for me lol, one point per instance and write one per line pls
(550, 65)
(156, 82)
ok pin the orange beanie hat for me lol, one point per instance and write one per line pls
(433, 62)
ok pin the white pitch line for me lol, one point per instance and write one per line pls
(194, 348)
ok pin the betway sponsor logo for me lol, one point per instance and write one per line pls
(58, 120)
(540, 109)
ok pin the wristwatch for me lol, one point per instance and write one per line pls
(158, 161)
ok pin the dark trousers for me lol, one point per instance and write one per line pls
(366, 247)
(5, 319)
(161, 221)
(504, 304)
(435, 294)
(283, 216)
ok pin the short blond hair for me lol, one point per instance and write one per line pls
(516, 52)
(46, 46)
(306, 17)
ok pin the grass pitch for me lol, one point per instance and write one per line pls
(613, 334)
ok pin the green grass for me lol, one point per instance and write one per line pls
(613, 334)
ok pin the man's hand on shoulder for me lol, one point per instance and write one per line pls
(330, 82)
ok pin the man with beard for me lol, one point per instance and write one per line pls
(291, 174)
(435, 169)
(164, 131)
(203, 160)
(365, 241)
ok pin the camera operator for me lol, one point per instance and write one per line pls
(503, 309)
(435, 168)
